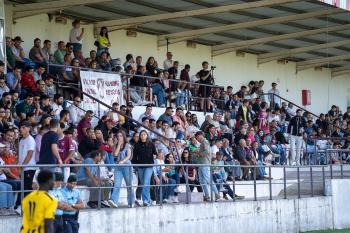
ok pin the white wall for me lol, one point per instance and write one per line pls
(231, 70)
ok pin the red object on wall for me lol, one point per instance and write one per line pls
(306, 97)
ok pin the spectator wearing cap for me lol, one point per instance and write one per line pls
(25, 107)
(28, 80)
(76, 35)
(35, 53)
(26, 154)
(18, 51)
(49, 153)
(73, 197)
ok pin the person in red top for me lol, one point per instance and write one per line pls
(28, 81)
(66, 150)
(83, 125)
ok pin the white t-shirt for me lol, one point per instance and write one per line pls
(25, 145)
(74, 33)
(214, 150)
(2, 176)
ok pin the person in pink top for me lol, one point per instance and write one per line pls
(43, 130)
(251, 134)
(263, 122)
(180, 117)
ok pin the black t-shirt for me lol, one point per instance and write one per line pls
(46, 155)
(203, 73)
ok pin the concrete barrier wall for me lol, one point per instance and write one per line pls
(264, 216)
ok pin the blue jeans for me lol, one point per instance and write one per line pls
(145, 174)
(261, 168)
(236, 171)
(168, 190)
(119, 174)
(159, 92)
(109, 159)
(180, 98)
(204, 180)
(76, 46)
(70, 224)
(6, 196)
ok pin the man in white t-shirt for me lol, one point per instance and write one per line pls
(168, 62)
(26, 154)
(216, 148)
(76, 36)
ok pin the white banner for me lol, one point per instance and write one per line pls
(105, 87)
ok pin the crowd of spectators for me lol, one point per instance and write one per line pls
(38, 125)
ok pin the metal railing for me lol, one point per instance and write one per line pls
(296, 181)
(191, 99)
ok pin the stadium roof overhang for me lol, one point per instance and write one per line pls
(309, 32)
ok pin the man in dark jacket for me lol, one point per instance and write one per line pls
(296, 129)
(242, 157)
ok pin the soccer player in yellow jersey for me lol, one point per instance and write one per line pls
(39, 207)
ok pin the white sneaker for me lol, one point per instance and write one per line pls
(18, 210)
(166, 200)
(174, 199)
(176, 190)
(112, 204)
(138, 202)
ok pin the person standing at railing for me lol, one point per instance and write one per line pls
(76, 35)
(204, 157)
(296, 130)
(103, 42)
(206, 79)
(275, 101)
(49, 151)
(122, 155)
(26, 155)
(144, 153)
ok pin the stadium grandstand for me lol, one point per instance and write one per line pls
(172, 116)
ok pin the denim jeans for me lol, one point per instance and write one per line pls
(119, 174)
(180, 98)
(204, 180)
(6, 196)
(236, 171)
(76, 46)
(70, 224)
(261, 168)
(168, 190)
(16, 186)
(145, 174)
(159, 92)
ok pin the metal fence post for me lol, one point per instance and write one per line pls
(284, 182)
(233, 184)
(331, 170)
(130, 186)
(188, 190)
(298, 174)
(127, 91)
(99, 187)
(270, 183)
(323, 180)
(22, 184)
(254, 175)
(161, 187)
(341, 171)
(312, 182)
(211, 186)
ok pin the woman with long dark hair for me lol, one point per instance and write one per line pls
(144, 153)
(103, 43)
(122, 154)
